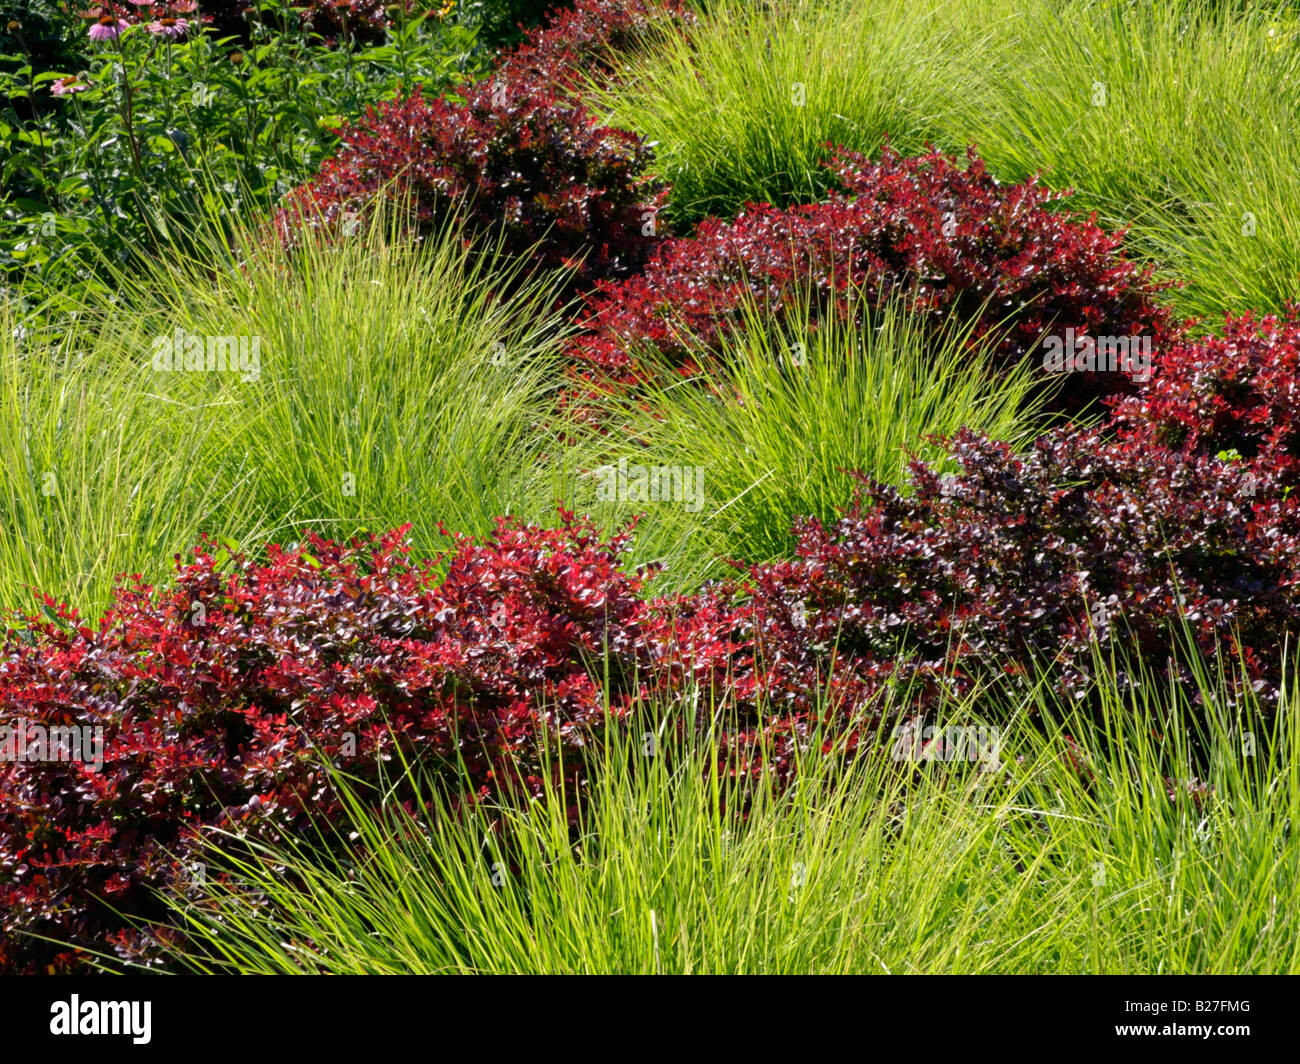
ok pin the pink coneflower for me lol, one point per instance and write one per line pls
(67, 86)
(108, 28)
(182, 7)
(169, 26)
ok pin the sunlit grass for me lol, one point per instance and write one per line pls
(778, 429)
(1058, 850)
(391, 384)
(1175, 118)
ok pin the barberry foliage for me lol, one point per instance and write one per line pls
(1021, 566)
(222, 696)
(951, 240)
(1238, 393)
(525, 168)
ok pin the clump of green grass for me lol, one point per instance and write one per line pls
(392, 383)
(1058, 851)
(776, 431)
(742, 109)
(1176, 120)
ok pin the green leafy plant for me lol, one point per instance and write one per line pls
(157, 134)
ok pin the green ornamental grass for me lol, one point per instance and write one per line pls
(1041, 844)
(362, 383)
(365, 385)
(1176, 120)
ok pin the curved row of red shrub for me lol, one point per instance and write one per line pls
(221, 694)
(528, 165)
(948, 238)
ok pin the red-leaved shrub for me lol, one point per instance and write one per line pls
(1239, 392)
(1018, 563)
(523, 165)
(221, 696)
(950, 239)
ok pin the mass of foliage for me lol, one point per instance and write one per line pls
(528, 170)
(219, 694)
(950, 239)
(1160, 534)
